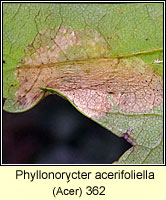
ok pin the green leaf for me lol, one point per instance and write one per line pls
(106, 59)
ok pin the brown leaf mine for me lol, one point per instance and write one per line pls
(77, 64)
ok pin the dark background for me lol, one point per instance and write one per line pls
(54, 132)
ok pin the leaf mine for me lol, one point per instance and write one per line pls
(77, 64)
(107, 63)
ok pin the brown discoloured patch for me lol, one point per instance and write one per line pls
(134, 86)
(53, 46)
(138, 89)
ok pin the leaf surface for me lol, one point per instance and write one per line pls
(104, 58)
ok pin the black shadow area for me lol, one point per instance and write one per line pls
(54, 132)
